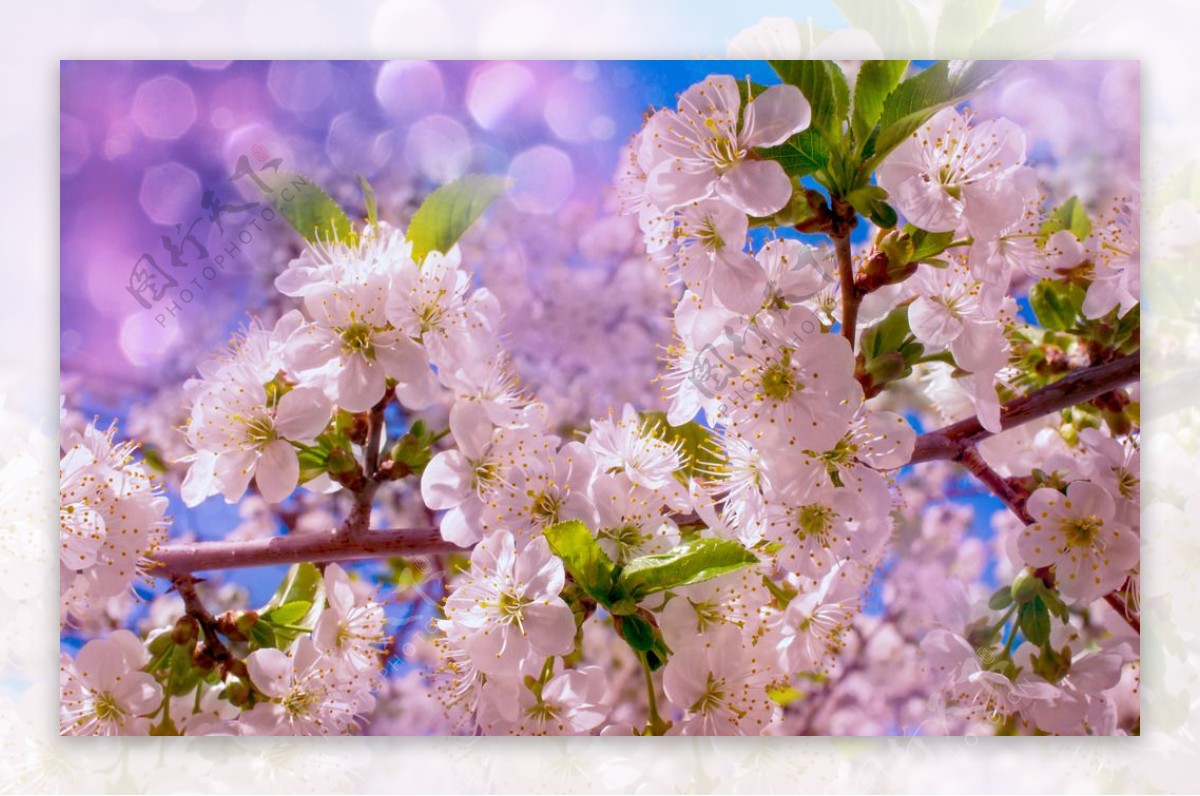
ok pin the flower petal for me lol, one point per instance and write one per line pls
(756, 187)
(278, 471)
(775, 115)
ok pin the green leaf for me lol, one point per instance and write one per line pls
(637, 632)
(263, 635)
(802, 154)
(1001, 598)
(314, 460)
(583, 557)
(876, 80)
(288, 613)
(305, 206)
(1069, 215)
(921, 96)
(869, 200)
(888, 335)
(927, 244)
(1056, 304)
(692, 562)
(1034, 621)
(823, 84)
(447, 213)
(303, 584)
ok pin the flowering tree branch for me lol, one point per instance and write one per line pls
(957, 443)
(172, 560)
(1076, 388)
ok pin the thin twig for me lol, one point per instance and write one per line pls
(996, 483)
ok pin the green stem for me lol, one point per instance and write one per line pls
(655, 725)
(1004, 619)
(1008, 646)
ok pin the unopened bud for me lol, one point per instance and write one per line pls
(186, 630)
(245, 622)
(237, 690)
(898, 247)
(1026, 586)
(341, 461)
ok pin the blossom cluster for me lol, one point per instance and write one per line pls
(705, 569)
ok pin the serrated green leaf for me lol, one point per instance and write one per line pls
(1070, 215)
(693, 562)
(303, 204)
(583, 557)
(919, 97)
(1057, 305)
(824, 85)
(876, 80)
(1001, 598)
(802, 154)
(450, 210)
(1034, 620)
(288, 613)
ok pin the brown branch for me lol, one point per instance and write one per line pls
(1012, 496)
(175, 560)
(1076, 388)
(844, 219)
(957, 443)
(185, 584)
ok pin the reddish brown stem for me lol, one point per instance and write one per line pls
(173, 560)
(1076, 388)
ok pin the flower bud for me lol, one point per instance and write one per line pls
(237, 690)
(186, 630)
(1026, 586)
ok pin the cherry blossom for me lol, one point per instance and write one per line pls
(1079, 535)
(954, 173)
(103, 691)
(509, 607)
(699, 150)
(240, 431)
(720, 688)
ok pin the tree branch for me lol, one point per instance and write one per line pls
(185, 584)
(849, 292)
(175, 560)
(957, 443)
(998, 484)
(1075, 388)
